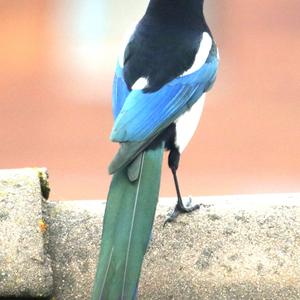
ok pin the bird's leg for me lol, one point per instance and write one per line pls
(180, 207)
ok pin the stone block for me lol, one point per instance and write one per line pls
(234, 247)
(25, 269)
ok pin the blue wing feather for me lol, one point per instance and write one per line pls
(120, 91)
(140, 115)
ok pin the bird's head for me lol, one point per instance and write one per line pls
(191, 7)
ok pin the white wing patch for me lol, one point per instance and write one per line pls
(126, 40)
(140, 84)
(202, 54)
(187, 123)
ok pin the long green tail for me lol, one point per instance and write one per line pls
(128, 222)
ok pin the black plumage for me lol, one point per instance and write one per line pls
(165, 42)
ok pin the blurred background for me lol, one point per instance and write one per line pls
(57, 61)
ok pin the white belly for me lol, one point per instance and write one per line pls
(187, 123)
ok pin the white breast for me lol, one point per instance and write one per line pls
(187, 123)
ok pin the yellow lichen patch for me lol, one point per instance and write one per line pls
(43, 225)
(3, 194)
(43, 176)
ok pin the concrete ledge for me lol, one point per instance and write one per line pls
(24, 267)
(74, 229)
(243, 247)
(234, 247)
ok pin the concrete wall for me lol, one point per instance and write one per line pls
(234, 247)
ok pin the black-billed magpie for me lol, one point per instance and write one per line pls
(168, 64)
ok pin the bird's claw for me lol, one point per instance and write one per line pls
(181, 209)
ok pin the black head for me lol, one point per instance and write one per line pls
(171, 5)
(179, 10)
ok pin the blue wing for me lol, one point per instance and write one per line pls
(120, 91)
(139, 115)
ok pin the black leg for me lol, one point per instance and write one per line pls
(174, 157)
(180, 206)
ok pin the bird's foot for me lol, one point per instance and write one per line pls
(180, 208)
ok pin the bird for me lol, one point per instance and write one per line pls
(168, 64)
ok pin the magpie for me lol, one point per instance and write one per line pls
(169, 62)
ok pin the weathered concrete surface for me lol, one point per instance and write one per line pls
(234, 247)
(243, 247)
(24, 267)
(73, 233)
